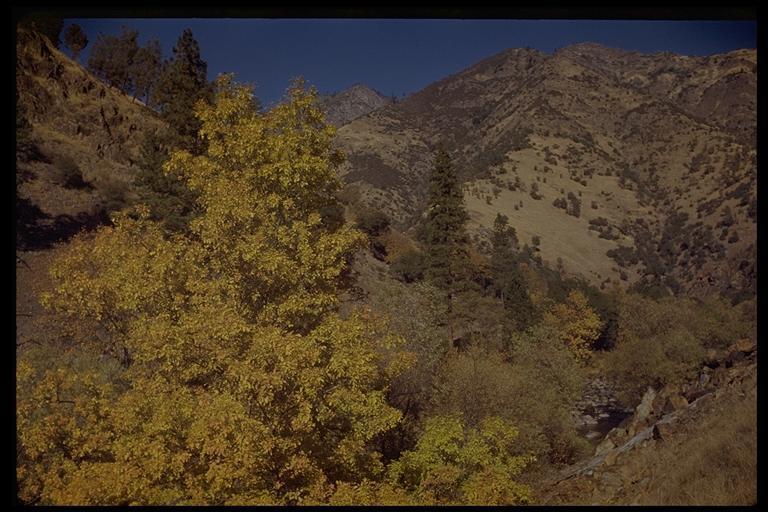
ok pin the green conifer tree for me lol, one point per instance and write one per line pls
(509, 283)
(183, 83)
(445, 235)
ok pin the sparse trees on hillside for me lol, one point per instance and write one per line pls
(111, 58)
(46, 24)
(145, 70)
(75, 39)
(122, 63)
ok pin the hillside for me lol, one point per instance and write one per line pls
(656, 152)
(346, 106)
(292, 345)
(77, 123)
(689, 445)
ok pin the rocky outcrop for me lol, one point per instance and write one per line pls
(661, 417)
(598, 410)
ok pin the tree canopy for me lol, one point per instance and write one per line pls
(75, 39)
(220, 370)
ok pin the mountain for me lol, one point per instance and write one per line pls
(628, 167)
(349, 104)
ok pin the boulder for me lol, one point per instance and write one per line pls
(675, 403)
(660, 401)
(712, 360)
(605, 446)
(704, 378)
(745, 346)
(643, 410)
(617, 434)
(662, 431)
(611, 456)
(695, 394)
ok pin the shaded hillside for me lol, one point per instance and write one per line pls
(349, 104)
(86, 138)
(622, 178)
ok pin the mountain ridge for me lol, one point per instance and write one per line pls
(520, 118)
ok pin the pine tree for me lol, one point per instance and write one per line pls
(168, 197)
(508, 281)
(75, 39)
(445, 235)
(183, 83)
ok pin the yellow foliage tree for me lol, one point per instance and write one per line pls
(576, 322)
(220, 370)
(454, 465)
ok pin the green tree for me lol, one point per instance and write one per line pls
(145, 70)
(168, 197)
(183, 83)
(111, 58)
(446, 239)
(235, 379)
(75, 39)
(508, 281)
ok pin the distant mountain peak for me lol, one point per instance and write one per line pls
(355, 101)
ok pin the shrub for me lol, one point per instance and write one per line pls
(372, 222)
(410, 266)
(114, 193)
(662, 342)
(67, 173)
(453, 464)
(534, 389)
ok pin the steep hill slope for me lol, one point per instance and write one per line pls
(349, 104)
(74, 121)
(596, 151)
(77, 122)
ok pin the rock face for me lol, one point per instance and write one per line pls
(349, 104)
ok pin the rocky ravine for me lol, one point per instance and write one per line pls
(629, 461)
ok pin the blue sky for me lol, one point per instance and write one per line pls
(402, 56)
